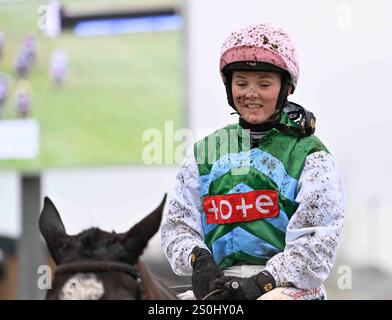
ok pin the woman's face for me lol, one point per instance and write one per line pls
(255, 94)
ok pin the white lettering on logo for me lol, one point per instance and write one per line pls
(260, 204)
(244, 207)
(214, 209)
(241, 207)
(228, 205)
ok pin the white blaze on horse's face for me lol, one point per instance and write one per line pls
(82, 287)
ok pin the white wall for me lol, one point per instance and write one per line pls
(113, 198)
(345, 55)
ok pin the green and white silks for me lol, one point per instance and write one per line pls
(311, 200)
(228, 164)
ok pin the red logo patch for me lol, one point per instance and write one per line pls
(237, 207)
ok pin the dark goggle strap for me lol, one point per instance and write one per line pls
(305, 120)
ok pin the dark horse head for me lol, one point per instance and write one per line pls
(100, 265)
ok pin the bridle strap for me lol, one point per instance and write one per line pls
(103, 266)
(98, 266)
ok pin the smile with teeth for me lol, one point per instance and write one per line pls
(253, 106)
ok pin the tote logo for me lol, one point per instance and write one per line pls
(241, 206)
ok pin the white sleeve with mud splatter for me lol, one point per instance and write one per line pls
(181, 227)
(313, 231)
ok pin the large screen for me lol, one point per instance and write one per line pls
(84, 98)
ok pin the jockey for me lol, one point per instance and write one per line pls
(257, 207)
(58, 67)
(23, 98)
(4, 88)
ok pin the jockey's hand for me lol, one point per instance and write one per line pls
(237, 288)
(205, 272)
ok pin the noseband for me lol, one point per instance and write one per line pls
(102, 266)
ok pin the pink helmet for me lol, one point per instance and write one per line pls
(261, 43)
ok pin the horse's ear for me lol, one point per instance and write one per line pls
(136, 239)
(52, 229)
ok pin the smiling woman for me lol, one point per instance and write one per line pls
(261, 221)
(255, 94)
